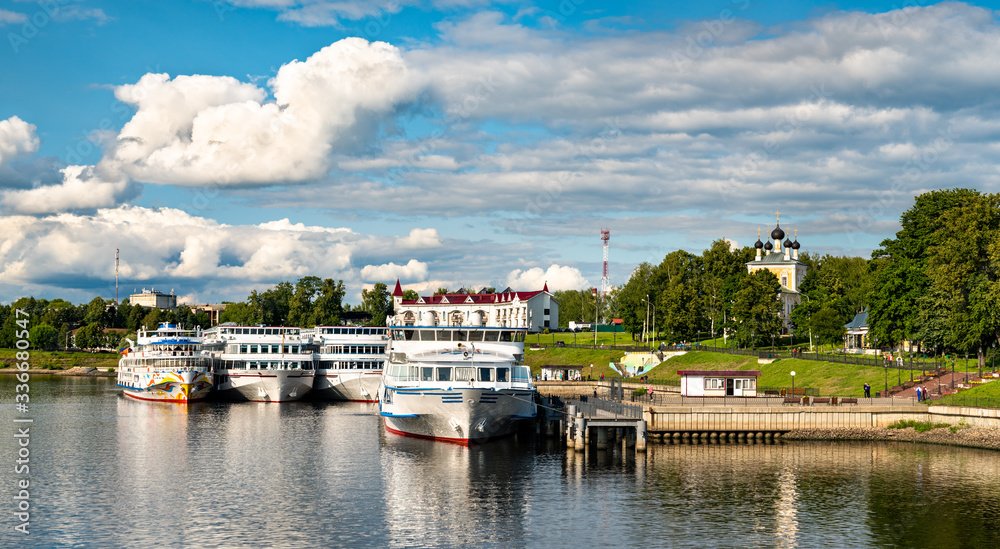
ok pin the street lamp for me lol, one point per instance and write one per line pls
(645, 325)
(793, 383)
(810, 327)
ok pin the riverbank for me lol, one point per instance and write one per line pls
(969, 437)
(84, 371)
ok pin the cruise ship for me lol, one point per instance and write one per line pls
(456, 384)
(349, 362)
(262, 363)
(169, 364)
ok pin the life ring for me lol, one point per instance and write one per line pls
(465, 354)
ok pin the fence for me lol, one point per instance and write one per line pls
(968, 401)
(595, 407)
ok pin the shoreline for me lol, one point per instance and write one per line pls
(965, 436)
(78, 371)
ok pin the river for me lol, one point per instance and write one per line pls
(107, 471)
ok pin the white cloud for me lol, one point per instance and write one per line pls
(413, 270)
(12, 17)
(82, 188)
(419, 239)
(17, 138)
(201, 130)
(557, 277)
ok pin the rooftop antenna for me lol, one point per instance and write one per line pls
(116, 277)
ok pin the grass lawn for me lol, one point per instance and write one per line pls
(829, 378)
(59, 360)
(575, 357)
(987, 394)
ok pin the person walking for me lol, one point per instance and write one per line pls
(868, 390)
(918, 393)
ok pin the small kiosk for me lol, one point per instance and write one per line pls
(719, 383)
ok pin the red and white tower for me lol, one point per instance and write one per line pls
(605, 281)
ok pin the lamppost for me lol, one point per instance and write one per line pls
(793, 383)
(810, 327)
(645, 325)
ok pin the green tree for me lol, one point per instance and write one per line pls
(828, 325)
(300, 311)
(631, 307)
(757, 308)
(91, 336)
(412, 295)
(240, 314)
(377, 302)
(43, 336)
(329, 305)
(900, 274)
(678, 303)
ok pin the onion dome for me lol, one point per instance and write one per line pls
(777, 234)
(787, 243)
(795, 245)
(758, 244)
(768, 246)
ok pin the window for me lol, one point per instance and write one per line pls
(545, 312)
(713, 383)
(486, 374)
(444, 374)
(502, 374)
(546, 323)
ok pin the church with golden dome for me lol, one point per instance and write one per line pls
(782, 259)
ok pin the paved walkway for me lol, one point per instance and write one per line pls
(937, 385)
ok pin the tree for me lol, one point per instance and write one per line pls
(378, 303)
(757, 309)
(441, 291)
(900, 275)
(329, 304)
(828, 325)
(97, 312)
(240, 314)
(91, 336)
(412, 295)
(43, 336)
(630, 305)
(722, 271)
(300, 307)
(677, 300)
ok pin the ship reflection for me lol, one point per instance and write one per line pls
(447, 495)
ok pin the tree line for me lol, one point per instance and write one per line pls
(936, 283)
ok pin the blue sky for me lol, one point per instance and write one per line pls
(224, 146)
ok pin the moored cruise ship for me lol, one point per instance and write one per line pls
(349, 361)
(262, 363)
(168, 364)
(456, 384)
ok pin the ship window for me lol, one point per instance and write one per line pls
(486, 374)
(492, 336)
(462, 374)
(506, 336)
(427, 374)
(501, 374)
(444, 374)
(475, 335)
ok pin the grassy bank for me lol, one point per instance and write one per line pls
(60, 360)
(985, 395)
(829, 378)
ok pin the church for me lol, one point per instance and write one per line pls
(782, 259)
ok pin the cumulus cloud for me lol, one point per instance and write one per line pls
(557, 277)
(12, 17)
(81, 188)
(17, 138)
(419, 238)
(413, 271)
(201, 130)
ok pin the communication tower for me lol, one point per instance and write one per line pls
(116, 277)
(605, 281)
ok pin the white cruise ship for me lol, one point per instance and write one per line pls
(456, 384)
(262, 363)
(168, 364)
(349, 362)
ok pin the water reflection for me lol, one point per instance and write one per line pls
(110, 471)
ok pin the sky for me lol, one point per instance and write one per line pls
(224, 146)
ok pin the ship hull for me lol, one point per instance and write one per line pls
(356, 386)
(265, 385)
(179, 387)
(457, 415)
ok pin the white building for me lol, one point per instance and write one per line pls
(536, 310)
(154, 298)
(719, 383)
(782, 259)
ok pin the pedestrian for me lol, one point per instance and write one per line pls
(650, 389)
(918, 393)
(927, 396)
(868, 390)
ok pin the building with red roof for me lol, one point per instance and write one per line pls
(536, 310)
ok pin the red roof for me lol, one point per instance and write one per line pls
(721, 373)
(398, 292)
(456, 299)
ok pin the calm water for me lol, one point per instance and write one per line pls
(112, 472)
